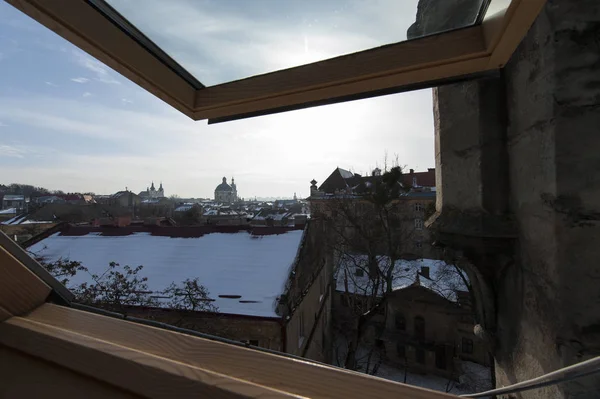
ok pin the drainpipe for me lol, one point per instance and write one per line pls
(283, 335)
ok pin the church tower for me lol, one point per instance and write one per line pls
(234, 196)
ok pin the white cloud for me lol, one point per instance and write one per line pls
(126, 101)
(80, 80)
(271, 155)
(13, 151)
(220, 43)
(86, 94)
(51, 84)
(2, 124)
(102, 72)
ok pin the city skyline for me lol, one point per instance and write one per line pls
(69, 122)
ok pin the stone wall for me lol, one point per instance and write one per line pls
(527, 213)
(306, 303)
(553, 102)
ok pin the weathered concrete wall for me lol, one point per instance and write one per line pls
(519, 196)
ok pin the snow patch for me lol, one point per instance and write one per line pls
(226, 264)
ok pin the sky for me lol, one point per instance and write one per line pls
(69, 122)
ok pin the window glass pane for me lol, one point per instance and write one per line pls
(223, 40)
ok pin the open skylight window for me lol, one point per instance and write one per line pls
(219, 41)
(217, 60)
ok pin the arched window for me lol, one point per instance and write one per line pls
(419, 327)
(400, 322)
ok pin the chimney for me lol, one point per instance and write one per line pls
(412, 171)
(313, 188)
(425, 272)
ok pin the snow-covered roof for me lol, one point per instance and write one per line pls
(16, 220)
(8, 211)
(346, 174)
(443, 278)
(12, 197)
(220, 212)
(183, 208)
(255, 268)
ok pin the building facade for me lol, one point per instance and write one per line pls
(344, 199)
(225, 193)
(14, 201)
(428, 333)
(152, 193)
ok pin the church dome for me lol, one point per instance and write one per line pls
(224, 186)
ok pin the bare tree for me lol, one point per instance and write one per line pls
(116, 289)
(119, 287)
(190, 295)
(370, 232)
(63, 269)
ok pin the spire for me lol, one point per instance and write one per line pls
(152, 187)
(161, 187)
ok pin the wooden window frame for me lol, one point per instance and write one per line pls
(414, 64)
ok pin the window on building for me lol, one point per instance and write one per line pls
(419, 327)
(418, 244)
(400, 322)
(467, 345)
(401, 350)
(420, 355)
(359, 272)
(418, 224)
(419, 207)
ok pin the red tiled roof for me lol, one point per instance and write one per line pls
(424, 179)
(341, 179)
